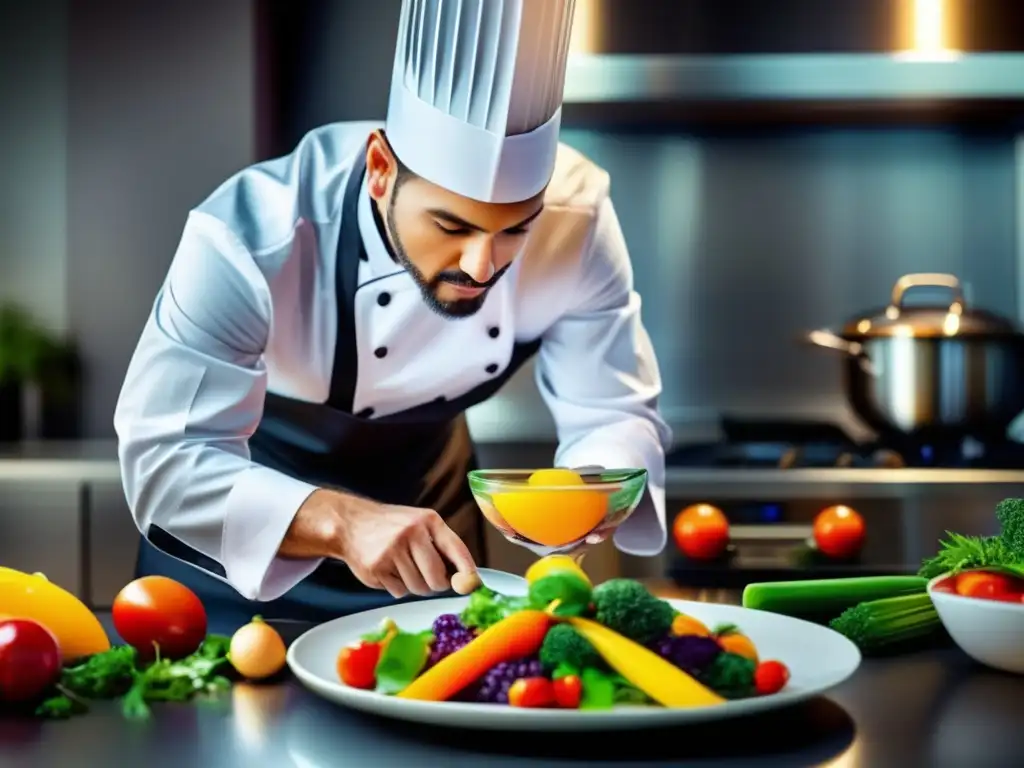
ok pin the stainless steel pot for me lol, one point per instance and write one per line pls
(931, 372)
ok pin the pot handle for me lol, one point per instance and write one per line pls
(829, 340)
(927, 280)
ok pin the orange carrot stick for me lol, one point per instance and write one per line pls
(514, 637)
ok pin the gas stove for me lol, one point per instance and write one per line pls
(790, 444)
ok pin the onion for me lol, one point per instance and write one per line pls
(257, 650)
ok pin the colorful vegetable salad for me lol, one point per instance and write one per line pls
(567, 645)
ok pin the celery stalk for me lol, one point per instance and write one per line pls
(880, 624)
(815, 597)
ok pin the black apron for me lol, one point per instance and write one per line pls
(418, 457)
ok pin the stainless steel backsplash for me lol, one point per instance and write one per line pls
(740, 242)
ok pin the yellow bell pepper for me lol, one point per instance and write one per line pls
(31, 596)
(662, 681)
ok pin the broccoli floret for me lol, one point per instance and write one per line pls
(1010, 513)
(564, 645)
(730, 675)
(626, 606)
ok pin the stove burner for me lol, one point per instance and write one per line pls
(807, 444)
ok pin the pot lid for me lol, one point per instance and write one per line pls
(947, 319)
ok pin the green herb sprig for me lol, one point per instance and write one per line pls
(120, 672)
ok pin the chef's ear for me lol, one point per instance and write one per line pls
(381, 165)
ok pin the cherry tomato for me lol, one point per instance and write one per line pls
(357, 665)
(157, 610)
(30, 660)
(839, 532)
(770, 677)
(531, 692)
(701, 532)
(947, 585)
(984, 584)
(568, 691)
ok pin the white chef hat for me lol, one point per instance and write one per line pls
(476, 93)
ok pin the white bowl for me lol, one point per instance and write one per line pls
(989, 631)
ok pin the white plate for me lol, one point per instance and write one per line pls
(818, 659)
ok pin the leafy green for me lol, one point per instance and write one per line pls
(962, 553)
(402, 660)
(598, 690)
(564, 670)
(627, 693)
(119, 672)
(486, 608)
(572, 593)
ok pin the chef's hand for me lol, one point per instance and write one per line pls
(400, 549)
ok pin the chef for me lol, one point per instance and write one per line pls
(291, 426)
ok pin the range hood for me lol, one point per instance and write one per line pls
(872, 56)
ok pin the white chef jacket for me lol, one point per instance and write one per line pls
(249, 306)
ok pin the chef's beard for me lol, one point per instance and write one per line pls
(456, 308)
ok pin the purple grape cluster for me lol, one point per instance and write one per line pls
(691, 653)
(449, 636)
(494, 687)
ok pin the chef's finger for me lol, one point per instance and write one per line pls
(393, 585)
(410, 573)
(452, 547)
(429, 563)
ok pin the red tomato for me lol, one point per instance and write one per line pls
(357, 665)
(568, 691)
(947, 585)
(531, 692)
(30, 660)
(701, 532)
(839, 532)
(770, 677)
(984, 584)
(157, 610)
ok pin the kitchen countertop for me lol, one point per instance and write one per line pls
(934, 708)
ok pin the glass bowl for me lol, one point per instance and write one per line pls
(557, 511)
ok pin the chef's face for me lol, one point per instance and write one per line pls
(455, 248)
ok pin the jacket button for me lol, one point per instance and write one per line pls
(493, 331)
(381, 352)
(492, 368)
(384, 299)
(365, 413)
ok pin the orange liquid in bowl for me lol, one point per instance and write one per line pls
(553, 518)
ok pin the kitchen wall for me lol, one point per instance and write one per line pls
(125, 115)
(741, 240)
(116, 119)
(33, 148)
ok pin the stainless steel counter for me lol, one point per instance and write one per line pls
(933, 708)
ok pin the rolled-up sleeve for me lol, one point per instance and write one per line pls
(598, 374)
(192, 397)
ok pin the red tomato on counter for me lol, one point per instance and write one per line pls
(157, 610)
(701, 532)
(839, 532)
(30, 660)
